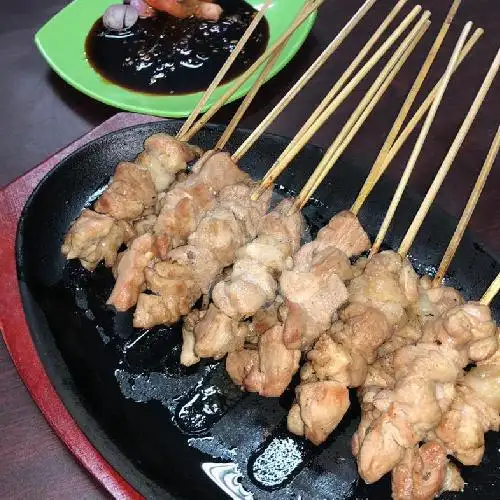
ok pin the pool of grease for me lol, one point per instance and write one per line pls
(165, 55)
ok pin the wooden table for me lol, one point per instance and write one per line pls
(41, 114)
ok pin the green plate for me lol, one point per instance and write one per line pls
(62, 39)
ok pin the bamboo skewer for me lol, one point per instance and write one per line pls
(225, 68)
(492, 292)
(238, 82)
(469, 209)
(420, 141)
(405, 109)
(300, 140)
(320, 61)
(228, 132)
(245, 104)
(344, 78)
(354, 123)
(412, 124)
(450, 157)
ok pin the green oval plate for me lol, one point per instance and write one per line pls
(61, 41)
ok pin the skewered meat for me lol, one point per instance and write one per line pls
(144, 225)
(425, 377)
(431, 303)
(345, 233)
(424, 473)
(252, 283)
(263, 320)
(341, 357)
(268, 370)
(182, 210)
(188, 201)
(130, 279)
(217, 334)
(319, 408)
(130, 192)
(226, 335)
(313, 290)
(389, 284)
(174, 292)
(434, 301)
(408, 334)
(164, 156)
(130, 195)
(310, 301)
(94, 237)
(191, 270)
(463, 426)
(405, 414)
(468, 328)
(474, 411)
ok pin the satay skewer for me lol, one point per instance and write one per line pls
(411, 125)
(355, 122)
(245, 104)
(492, 291)
(225, 68)
(301, 139)
(314, 68)
(420, 141)
(469, 209)
(450, 157)
(410, 99)
(312, 6)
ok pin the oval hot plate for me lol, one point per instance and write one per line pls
(173, 432)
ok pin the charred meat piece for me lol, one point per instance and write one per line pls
(318, 409)
(94, 237)
(164, 156)
(268, 370)
(389, 284)
(130, 192)
(129, 274)
(424, 473)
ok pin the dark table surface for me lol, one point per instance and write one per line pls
(41, 114)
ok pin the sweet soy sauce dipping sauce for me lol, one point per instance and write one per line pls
(165, 55)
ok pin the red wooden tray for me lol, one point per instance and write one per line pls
(15, 329)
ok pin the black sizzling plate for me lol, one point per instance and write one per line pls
(189, 433)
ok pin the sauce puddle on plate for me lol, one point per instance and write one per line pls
(164, 55)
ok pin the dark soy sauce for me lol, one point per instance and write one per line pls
(165, 55)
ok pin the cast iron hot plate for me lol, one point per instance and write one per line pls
(189, 433)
